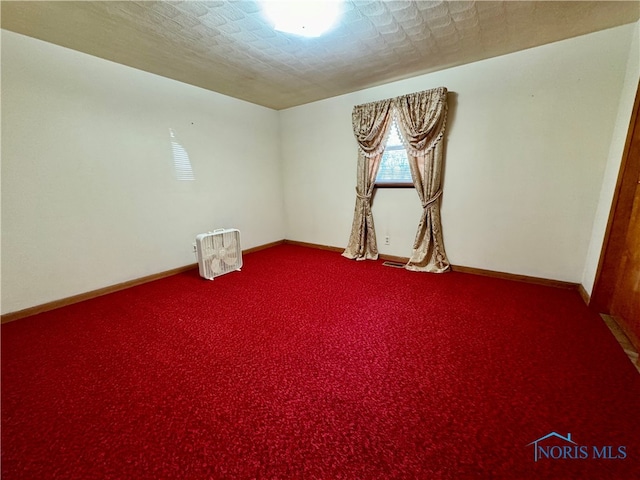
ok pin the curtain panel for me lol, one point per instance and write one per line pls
(371, 124)
(421, 118)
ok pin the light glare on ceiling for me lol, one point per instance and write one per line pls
(307, 18)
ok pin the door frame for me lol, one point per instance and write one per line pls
(619, 216)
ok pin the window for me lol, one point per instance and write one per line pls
(394, 167)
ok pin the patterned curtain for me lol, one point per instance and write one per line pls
(422, 118)
(371, 124)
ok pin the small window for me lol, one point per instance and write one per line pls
(394, 167)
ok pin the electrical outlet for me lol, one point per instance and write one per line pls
(386, 240)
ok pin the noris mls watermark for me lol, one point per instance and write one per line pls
(543, 449)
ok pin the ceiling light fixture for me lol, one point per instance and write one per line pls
(307, 18)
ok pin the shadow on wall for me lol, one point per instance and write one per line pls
(452, 107)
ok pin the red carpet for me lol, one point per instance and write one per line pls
(306, 365)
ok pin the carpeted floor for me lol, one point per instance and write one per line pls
(306, 365)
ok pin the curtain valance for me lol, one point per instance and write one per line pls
(427, 110)
(371, 123)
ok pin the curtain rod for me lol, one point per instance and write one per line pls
(392, 99)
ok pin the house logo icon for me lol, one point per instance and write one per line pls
(554, 446)
(537, 449)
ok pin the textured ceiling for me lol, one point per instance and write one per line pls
(228, 47)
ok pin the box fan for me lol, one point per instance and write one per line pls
(218, 252)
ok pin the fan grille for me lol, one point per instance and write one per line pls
(218, 253)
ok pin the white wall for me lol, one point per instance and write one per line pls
(89, 193)
(528, 139)
(90, 196)
(614, 159)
